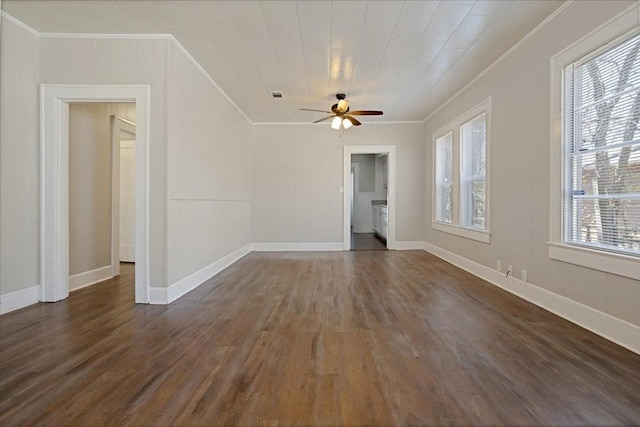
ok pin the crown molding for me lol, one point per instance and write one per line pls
(105, 36)
(168, 37)
(211, 80)
(19, 23)
(530, 34)
(406, 122)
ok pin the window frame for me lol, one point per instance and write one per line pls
(606, 37)
(456, 227)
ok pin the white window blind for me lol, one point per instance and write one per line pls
(473, 172)
(444, 178)
(601, 196)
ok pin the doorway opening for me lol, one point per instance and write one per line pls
(101, 177)
(123, 151)
(369, 197)
(55, 184)
(369, 216)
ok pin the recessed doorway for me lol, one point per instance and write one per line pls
(369, 188)
(368, 192)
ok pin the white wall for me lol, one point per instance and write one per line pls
(90, 183)
(297, 175)
(19, 219)
(209, 175)
(520, 90)
(200, 175)
(366, 172)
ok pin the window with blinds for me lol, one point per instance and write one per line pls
(601, 196)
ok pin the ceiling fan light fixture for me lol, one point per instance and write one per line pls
(343, 104)
(335, 123)
(346, 123)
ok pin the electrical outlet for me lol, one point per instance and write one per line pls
(499, 266)
(509, 271)
(523, 276)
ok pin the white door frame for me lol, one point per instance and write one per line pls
(54, 182)
(354, 191)
(390, 150)
(118, 124)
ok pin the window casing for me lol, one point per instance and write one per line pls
(461, 191)
(579, 151)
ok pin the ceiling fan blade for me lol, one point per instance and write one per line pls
(366, 113)
(318, 111)
(323, 119)
(353, 120)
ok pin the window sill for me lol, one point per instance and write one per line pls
(621, 265)
(468, 233)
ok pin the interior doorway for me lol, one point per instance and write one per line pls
(368, 197)
(369, 186)
(96, 189)
(54, 168)
(123, 135)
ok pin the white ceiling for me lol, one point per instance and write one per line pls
(403, 57)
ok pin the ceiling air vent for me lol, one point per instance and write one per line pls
(276, 94)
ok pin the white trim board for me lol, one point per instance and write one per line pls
(296, 247)
(194, 280)
(19, 299)
(54, 182)
(88, 278)
(616, 330)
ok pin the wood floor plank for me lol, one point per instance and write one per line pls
(342, 338)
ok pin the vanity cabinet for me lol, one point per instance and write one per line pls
(380, 220)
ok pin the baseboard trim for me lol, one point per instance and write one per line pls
(297, 247)
(19, 299)
(88, 278)
(192, 281)
(409, 246)
(616, 330)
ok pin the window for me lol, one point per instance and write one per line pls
(594, 194)
(444, 178)
(601, 147)
(473, 173)
(460, 202)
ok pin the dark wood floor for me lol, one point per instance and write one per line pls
(367, 242)
(342, 338)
